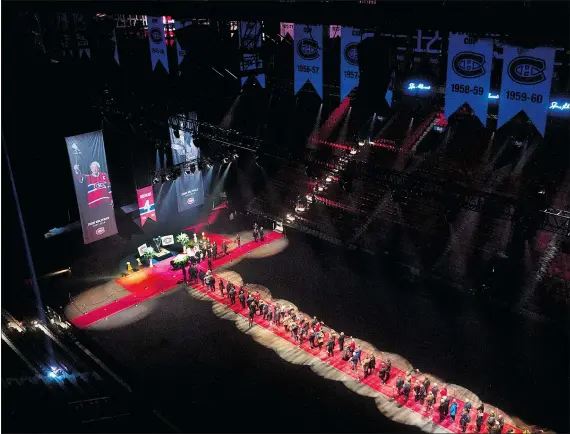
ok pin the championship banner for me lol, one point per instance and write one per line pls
(309, 57)
(81, 35)
(92, 185)
(526, 84)
(189, 191)
(115, 46)
(157, 42)
(182, 142)
(180, 53)
(349, 72)
(468, 75)
(167, 240)
(250, 41)
(145, 197)
(287, 29)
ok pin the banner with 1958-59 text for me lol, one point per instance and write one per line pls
(468, 75)
(526, 84)
(92, 185)
(308, 60)
(157, 42)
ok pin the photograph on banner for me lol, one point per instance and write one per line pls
(147, 210)
(526, 84)
(308, 59)
(167, 240)
(189, 191)
(468, 74)
(141, 249)
(349, 70)
(182, 142)
(92, 185)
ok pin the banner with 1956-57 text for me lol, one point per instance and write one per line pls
(308, 60)
(145, 197)
(468, 75)
(92, 185)
(526, 84)
(157, 42)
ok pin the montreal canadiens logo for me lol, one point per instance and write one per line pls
(351, 53)
(100, 231)
(190, 201)
(156, 36)
(308, 49)
(468, 64)
(527, 70)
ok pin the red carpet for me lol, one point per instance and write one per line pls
(150, 282)
(373, 381)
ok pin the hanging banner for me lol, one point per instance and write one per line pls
(81, 35)
(189, 190)
(250, 41)
(115, 46)
(287, 29)
(349, 72)
(468, 75)
(308, 60)
(390, 91)
(182, 141)
(145, 197)
(92, 185)
(63, 37)
(526, 84)
(157, 42)
(180, 53)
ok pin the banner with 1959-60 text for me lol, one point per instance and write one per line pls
(468, 75)
(526, 84)
(308, 60)
(157, 42)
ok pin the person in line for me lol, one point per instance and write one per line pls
(251, 314)
(241, 297)
(215, 250)
(320, 339)
(399, 385)
(465, 419)
(501, 421)
(221, 286)
(341, 342)
(366, 366)
(330, 346)
(265, 310)
(276, 313)
(491, 420)
(417, 387)
(426, 383)
(232, 294)
(479, 419)
(453, 410)
(434, 390)
(429, 401)
(202, 277)
(354, 361)
(372, 365)
(238, 239)
(467, 406)
(225, 248)
(255, 235)
(261, 235)
(406, 390)
(443, 408)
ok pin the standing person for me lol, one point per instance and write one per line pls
(479, 419)
(221, 286)
(330, 346)
(465, 419)
(225, 248)
(251, 315)
(372, 365)
(261, 235)
(467, 405)
(354, 361)
(238, 239)
(265, 310)
(406, 389)
(417, 388)
(426, 383)
(276, 313)
(366, 366)
(443, 408)
(491, 420)
(399, 384)
(215, 250)
(320, 339)
(255, 235)
(429, 401)
(241, 298)
(434, 390)
(341, 342)
(453, 410)
(232, 294)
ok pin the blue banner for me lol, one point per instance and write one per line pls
(349, 71)
(157, 42)
(309, 57)
(180, 53)
(469, 64)
(526, 84)
(390, 90)
(189, 191)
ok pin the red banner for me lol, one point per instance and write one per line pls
(146, 204)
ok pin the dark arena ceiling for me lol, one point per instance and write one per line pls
(537, 22)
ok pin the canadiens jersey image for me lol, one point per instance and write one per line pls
(98, 189)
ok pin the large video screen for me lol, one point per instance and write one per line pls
(182, 143)
(190, 191)
(92, 185)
